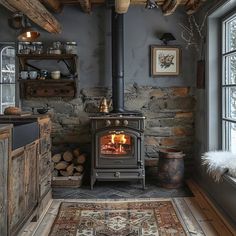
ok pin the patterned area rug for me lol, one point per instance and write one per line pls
(117, 218)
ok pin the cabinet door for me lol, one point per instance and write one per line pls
(44, 165)
(31, 190)
(4, 149)
(16, 191)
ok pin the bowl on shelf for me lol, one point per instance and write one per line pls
(24, 74)
(56, 74)
(42, 110)
(33, 74)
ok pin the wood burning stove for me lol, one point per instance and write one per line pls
(117, 137)
(117, 148)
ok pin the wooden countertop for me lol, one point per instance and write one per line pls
(4, 127)
(5, 118)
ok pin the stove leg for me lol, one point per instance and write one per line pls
(92, 181)
(144, 187)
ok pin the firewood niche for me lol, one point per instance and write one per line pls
(63, 87)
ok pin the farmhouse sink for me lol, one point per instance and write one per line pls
(24, 133)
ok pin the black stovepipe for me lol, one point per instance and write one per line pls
(117, 62)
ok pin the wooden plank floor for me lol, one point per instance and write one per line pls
(197, 214)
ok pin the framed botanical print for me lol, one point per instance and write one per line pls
(165, 60)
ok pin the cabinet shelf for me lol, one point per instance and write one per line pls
(8, 103)
(46, 81)
(8, 71)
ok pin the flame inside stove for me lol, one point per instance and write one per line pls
(118, 138)
(116, 144)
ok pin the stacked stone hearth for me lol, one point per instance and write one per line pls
(169, 118)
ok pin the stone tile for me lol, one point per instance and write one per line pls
(120, 190)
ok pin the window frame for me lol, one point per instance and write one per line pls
(212, 139)
(226, 120)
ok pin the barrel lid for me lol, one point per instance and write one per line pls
(171, 153)
(170, 150)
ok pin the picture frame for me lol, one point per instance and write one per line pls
(165, 60)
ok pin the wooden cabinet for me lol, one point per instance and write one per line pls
(44, 157)
(25, 179)
(23, 187)
(17, 208)
(4, 155)
(31, 173)
(63, 87)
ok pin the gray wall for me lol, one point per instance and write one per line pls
(169, 110)
(93, 35)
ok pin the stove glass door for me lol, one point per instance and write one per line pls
(116, 144)
(117, 149)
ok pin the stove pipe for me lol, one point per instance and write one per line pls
(117, 62)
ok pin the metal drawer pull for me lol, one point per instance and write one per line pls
(118, 162)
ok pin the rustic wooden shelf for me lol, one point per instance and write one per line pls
(46, 81)
(47, 88)
(47, 56)
(63, 87)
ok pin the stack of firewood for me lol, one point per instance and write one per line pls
(69, 163)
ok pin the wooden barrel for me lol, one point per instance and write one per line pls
(170, 168)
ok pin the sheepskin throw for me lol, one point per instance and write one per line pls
(220, 162)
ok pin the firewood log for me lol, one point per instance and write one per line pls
(55, 173)
(79, 168)
(76, 152)
(56, 158)
(81, 159)
(61, 165)
(77, 174)
(64, 173)
(70, 169)
(68, 156)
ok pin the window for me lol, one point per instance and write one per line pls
(7, 77)
(229, 84)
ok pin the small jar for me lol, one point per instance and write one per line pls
(50, 50)
(71, 47)
(57, 45)
(20, 47)
(38, 47)
(33, 48)
(43, 74)
(24, 47)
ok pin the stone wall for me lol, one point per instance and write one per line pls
(169, 117)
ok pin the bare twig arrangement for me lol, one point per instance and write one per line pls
(193, 33)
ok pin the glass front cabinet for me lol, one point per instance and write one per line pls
(7, 77)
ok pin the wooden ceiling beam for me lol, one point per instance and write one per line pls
(8, 6)
(122, 6)
(193, 5)
(35, 11)
(85, 5)
(167, 6)
(54, 5)
(170, 6)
